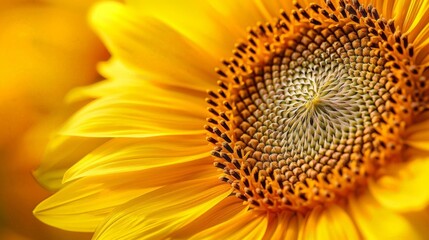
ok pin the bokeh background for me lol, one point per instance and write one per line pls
(46, 49)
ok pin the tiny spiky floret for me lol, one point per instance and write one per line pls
(312, 104)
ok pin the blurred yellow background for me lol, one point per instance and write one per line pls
(46, 48)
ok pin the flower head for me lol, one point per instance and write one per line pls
(317, 124)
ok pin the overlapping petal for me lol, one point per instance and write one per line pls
(81, 205)
(285, 225)
(402, 187)
(62, 153)
(246, 225)
(152, 49)
(121, 155)
(144, 111)
(377, 222)
(158, 213)
(222, 212)
(330, 222)
(417, 136)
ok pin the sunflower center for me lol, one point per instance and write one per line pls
(312, 105)
(304, 111)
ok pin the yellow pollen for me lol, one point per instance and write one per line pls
(312, 104)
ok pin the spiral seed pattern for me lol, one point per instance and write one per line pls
(312, 104)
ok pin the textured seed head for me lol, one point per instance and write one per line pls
(312, 104)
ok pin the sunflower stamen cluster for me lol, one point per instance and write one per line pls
(313, 103)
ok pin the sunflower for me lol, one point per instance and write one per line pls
(315, 126)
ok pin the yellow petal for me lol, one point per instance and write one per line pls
(83, 204)
(404, 187)
(158, 213)
(231, 14)
(152, 49)
(286, 226)
(330, 222)
(412, 18)
(127, 155)
(419, 220)
(63, 152)
(409, 15)
(121, 77)
(273, 225)
(376, 222)
(417, 136)
(212, 23)
(384, 8)
(202, 23)
(118, 76)
(222, 212)
(336, 223)
(307, 231)
(245, 225)
(157, 113)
